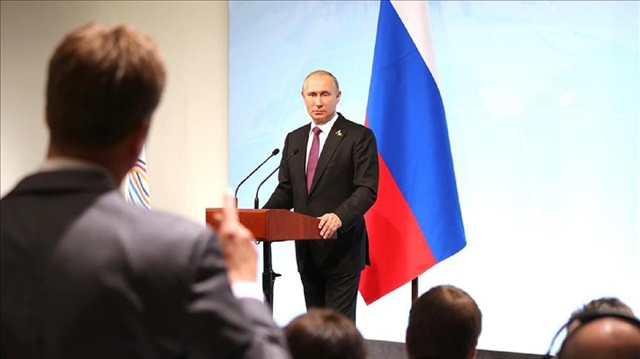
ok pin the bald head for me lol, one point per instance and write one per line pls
(603, 338)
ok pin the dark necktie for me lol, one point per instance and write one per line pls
(314, 153)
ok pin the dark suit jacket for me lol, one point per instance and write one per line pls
(345, 183)
(86, 275)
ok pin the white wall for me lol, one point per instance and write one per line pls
(187, 147)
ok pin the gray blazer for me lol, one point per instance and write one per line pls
(86, 275)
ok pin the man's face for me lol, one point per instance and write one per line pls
(321, 97)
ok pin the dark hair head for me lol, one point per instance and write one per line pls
(444, 322)
(102, 82)
(324, 333)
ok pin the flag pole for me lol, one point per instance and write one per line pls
(414, 290)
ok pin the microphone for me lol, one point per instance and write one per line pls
(273, 153)
(256, 200)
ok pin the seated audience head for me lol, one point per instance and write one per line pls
(103, 86)
(602, 334)
(600, 304)
(323, 333)
(444, 323)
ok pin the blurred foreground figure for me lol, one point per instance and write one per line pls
(604, 328)
(85, 274)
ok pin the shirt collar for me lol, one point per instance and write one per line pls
(69, 163)
(326, 127)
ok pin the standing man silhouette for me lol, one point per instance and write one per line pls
(87, 275)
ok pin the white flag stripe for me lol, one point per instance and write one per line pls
(415, 17)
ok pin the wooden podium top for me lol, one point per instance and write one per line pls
(273, 225)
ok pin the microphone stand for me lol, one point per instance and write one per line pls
(268, 275)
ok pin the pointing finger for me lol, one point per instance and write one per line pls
(229, 206)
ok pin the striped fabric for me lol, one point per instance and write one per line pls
(137, 183)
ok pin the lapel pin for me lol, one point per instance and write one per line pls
(339, 133)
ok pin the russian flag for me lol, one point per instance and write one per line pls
(416, 220)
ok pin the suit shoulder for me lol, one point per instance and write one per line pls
(348, 123)
(354, 126)
(161, 226)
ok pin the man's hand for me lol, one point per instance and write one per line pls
(238, 246)
(329, 224)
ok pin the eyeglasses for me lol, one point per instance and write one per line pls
(586, 317)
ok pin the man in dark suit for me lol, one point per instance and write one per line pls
(336, 181)
(85, 274)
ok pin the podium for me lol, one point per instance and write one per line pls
(272, 225)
